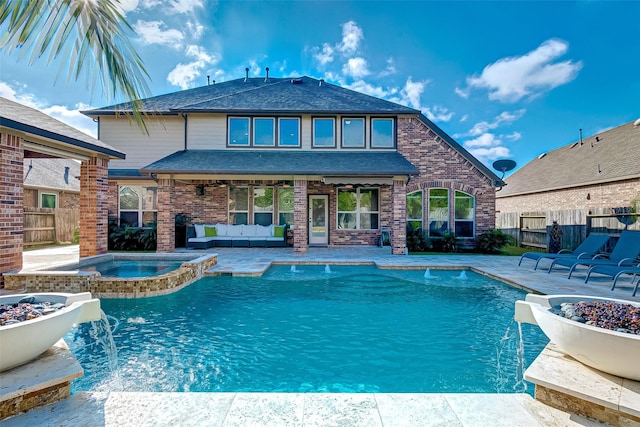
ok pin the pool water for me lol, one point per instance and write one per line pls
(128, 269)
(353, 329)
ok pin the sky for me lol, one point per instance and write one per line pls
(505, 79)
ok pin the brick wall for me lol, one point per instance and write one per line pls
(94, 205)
(11, 203)
(66, 200)
(442, 166)
(610, 195)
(166, 216)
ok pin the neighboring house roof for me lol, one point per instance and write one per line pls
(52, 174)
(612, 155)
(277, 162)
(259, 95)
(38, 125)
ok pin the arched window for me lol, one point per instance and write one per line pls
(414, 210)
(465, 214)
(438, 212)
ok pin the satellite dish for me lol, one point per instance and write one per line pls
(504, 165)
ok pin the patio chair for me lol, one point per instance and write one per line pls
(624, 254)
(616, 272)
(587, 249)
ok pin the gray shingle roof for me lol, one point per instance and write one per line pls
(279, 162)
(255, 95)
(25, 119)
(608, 156)
(52, 174)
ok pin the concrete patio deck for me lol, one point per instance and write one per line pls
(314, 409)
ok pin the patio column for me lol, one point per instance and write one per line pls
(399, 218)
(300, 216)
(166, 217)
(94, 207)
(11, 203)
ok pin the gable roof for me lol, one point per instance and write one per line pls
(288, 95)
(612, 155)
(276, 162)
(38, 126)
(52, 174)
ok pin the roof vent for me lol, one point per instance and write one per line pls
(296, 81)
(320, 82)
(246, 74)
(636, 123)
(542, 155)
(267, 78)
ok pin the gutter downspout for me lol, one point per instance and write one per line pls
(184, 116)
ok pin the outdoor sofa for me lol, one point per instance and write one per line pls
(203, 236)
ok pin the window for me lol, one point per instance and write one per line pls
(48, 200)
(285, 206)
(414, 210)
(464, 214)
(264, 132)
(382, 134)
(358, 209)
(239, 205)
(138, 205)
(263, 205)
(324, 132)
(352, 133)
(288, 132)
(438, 212)
(239, 131)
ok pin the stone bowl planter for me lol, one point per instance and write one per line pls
(612, 352)
(24, 341)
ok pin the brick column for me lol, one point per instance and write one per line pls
(94, 207)
(399, 218)
(166, 217)
(11, 203)
(300, 216)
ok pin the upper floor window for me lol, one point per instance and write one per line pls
(138, 205)
(288, 132)
(324, 132)
(264, 131)
(352, 132)
(464, 214)
(382, 133)
(239, 131)
(48, 200)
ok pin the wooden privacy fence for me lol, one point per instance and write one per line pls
(44, 226)
(531, 229)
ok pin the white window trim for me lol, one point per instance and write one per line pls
(358, 210)
(48, 193)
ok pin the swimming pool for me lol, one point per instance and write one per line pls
(127, 268)
(353, 329)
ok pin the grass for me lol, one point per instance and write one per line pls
(507, 251)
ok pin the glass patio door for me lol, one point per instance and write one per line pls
(319, 220)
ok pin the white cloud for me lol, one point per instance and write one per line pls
(369, 89)
(464, 118)
(463, 93)
(503, 118)
(185, 6)
(390, 69)
(72, 117)
(183, 75)
(487, 155)
(195, 29)
(514, 136)
(356, 68)
(151, 32)
(412, 91)
(126, 5)
(513, 78)
(438, 113)
(484, 140)
(487, 147)
(351, 37)
(325, 55)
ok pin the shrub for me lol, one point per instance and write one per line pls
(416, 239)
(492, 242)
(126, 238)
(447, 243)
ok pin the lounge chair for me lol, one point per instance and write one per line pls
(587, 249)
(624, 254)
(616, 272)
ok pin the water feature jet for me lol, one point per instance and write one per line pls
(327, 269)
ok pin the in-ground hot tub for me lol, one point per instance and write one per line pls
(609, 351)
(23, 341)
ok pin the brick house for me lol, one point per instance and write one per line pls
(52, 183)
(578, 183)
(27, 134)
(336, 165)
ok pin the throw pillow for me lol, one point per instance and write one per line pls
(210, 231)
(278, 231)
